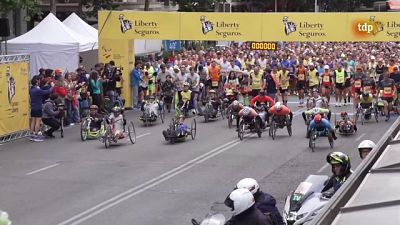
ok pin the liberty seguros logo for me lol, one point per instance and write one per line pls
(206, 26)
(125, 24)
(221, 27)
(289, 26)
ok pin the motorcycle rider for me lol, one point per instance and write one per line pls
(242, 204)
(365, 147)
(320, 124)
(265, 202)
(4, 220)
(279, 110)
(341, 170)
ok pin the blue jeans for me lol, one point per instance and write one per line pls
(84, 107)
(72, 112)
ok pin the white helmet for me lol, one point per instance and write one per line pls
(235, 103)
(4, 218)
(326, 67)
(278, 106)
(239, 201)
(366, 144)
(249, 184)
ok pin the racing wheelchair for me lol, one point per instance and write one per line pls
(316, 133)
(246, 122)
(366, 113)
(279, 122)
(152, 110)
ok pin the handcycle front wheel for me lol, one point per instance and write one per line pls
(193, 129)
(330, 139)
(312, 140)
(241, 130)
(84, 129)
(132, 132)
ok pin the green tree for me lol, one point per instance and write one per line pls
(7, 6)
(95, 5)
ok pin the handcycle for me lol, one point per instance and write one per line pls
(172, 135)
(248, 123)
(210, 112)
(316, 133)
(149, 116)
(88, 133)
(231, 116)
(279, 122)
(109, 138)
(365, 113)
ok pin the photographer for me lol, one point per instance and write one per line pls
(49, 116)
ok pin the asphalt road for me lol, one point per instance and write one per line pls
(67, 181)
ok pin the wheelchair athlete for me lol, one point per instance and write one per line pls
(345, 119)
(320, 124)
(95, 119)
(118, 122)
(182, 129)
(366, 102)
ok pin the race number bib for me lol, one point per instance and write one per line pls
(326, 79)
(357, 83)
(214, 83)
(301, 76)
(387, 90)
(367, 89)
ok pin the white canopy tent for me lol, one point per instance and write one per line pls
(75, 23)
(51, 44)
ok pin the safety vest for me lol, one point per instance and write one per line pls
(284, 79)
(256, 81)
(186, 96)
(339, 77)
(313, 77)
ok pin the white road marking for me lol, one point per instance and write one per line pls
(142, 135)
(97, 209)
(322, 168)
(332, 103)
(362, 135)
(42, 169)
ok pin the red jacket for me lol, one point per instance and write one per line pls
(264, 99)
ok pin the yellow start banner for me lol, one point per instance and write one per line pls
(14, 94)
(371, 26)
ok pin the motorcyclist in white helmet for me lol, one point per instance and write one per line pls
(265, 202)
(365, 147)
(4, 220)
(241, 202)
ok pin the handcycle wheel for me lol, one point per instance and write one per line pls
(193, 129)
(289, 129)
(362, 117)
(230, 119)
(222, 111)
(107, 136)
(84, 129)
(330, 139)
(273, 129)
(241, 130)
(162, 114)
(206, 117)
(132, 132)
(357, 115)
(258, 128)
(376, 114)
(312, 140)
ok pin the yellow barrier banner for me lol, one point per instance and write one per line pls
(138, 25)
(221, 26)
(14, 97)
(374, 26)
(341, 27)
(304, 27)
(122, 53)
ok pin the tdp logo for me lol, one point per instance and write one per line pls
(370, 26)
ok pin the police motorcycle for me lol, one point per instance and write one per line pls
(216, 215)
(303, 204)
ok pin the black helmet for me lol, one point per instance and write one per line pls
(335, 158)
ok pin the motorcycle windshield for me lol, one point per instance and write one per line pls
(217, 219)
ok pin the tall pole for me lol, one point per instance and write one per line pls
(276, 5)
(316, 5)
(53, 7)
